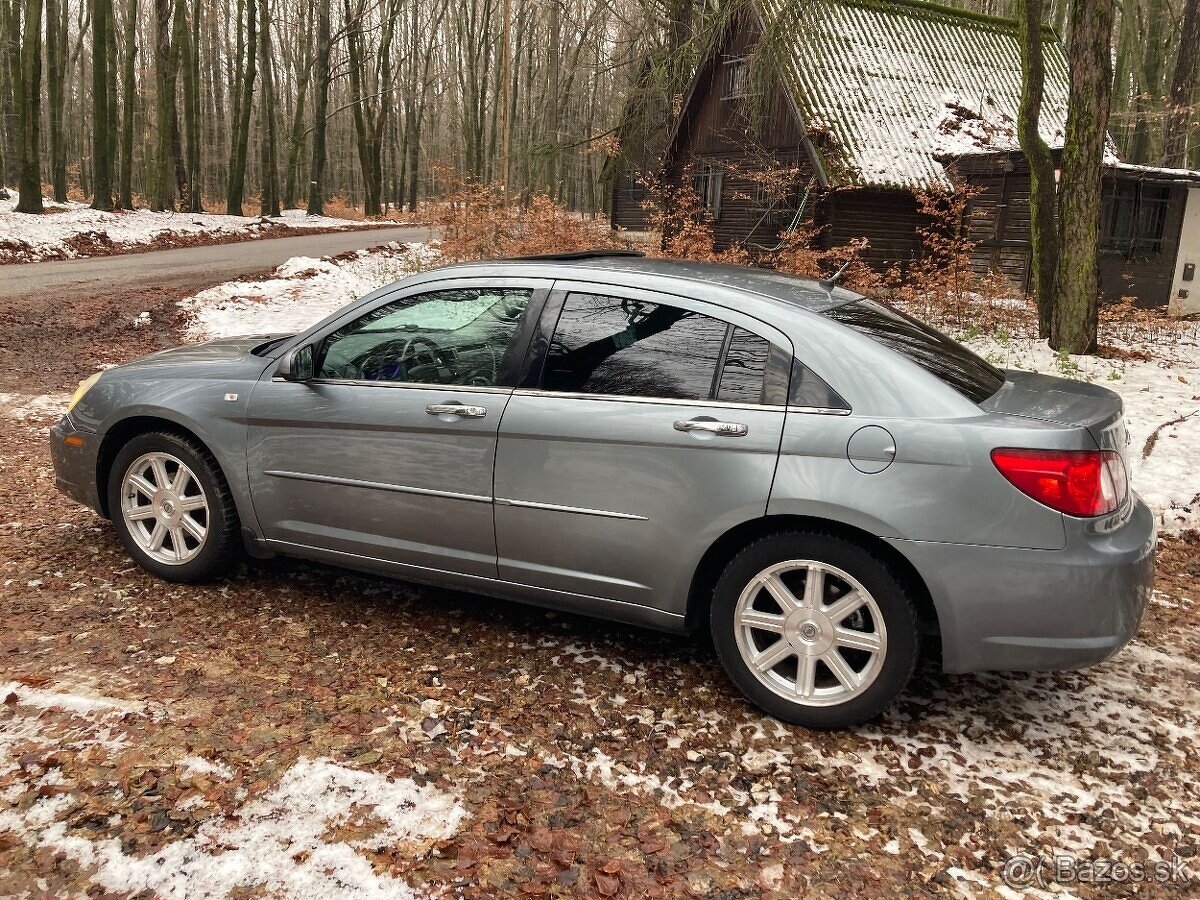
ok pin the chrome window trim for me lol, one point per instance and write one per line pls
(449, 388)
(658, 401)
(376, 485)
(554, 507)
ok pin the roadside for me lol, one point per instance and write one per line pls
(74, 230)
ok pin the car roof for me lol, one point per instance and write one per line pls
(792, 290)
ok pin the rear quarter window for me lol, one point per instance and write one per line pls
(941, 356)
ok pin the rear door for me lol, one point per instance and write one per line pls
(648, 425)
(387, 453)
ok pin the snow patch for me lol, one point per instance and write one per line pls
(68, 230)
(301, 292)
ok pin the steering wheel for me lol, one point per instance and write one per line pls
(384, 366)
(508, 308)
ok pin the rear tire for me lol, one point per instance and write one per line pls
(815, 629)
(172, 509)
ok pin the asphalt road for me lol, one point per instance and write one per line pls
(187, 266)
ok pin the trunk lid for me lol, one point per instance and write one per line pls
(1064, 402)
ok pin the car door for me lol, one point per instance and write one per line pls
(649, 426)
(387, 452)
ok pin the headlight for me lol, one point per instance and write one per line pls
(84, 387)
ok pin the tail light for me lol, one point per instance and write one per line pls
(1075, 482)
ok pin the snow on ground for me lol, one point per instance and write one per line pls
(301, 292)
(290, 841)
(70, 230)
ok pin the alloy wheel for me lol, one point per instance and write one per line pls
(165, 509)
(810, 632)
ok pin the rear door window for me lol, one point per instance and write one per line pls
(933, 351)
(634, 348)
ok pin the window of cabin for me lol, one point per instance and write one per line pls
(708, 182)
(737, 79)
(1133, 218)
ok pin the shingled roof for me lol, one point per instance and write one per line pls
(898, 85)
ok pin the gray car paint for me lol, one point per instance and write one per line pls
(1014, 583)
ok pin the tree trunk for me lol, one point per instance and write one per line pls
(101, 164)
(316, 187)
(163, 190)
(1074, 323)
(1181, 111)
(56, 61)
(237, 155)
(128, 85)
(186, 47)
(1043, 230)
(291, 190)
(28, 89)
(266, 117)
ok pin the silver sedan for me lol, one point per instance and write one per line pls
(825, 483)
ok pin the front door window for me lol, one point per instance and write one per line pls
(450, 337)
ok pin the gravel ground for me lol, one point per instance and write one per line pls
(298, 731)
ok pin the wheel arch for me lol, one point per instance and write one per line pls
(724, 548)
(122, 432)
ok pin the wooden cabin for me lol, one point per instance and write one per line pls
(865, 104)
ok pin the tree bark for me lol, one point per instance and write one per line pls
(1074, 322)
(163, 191)
(128, 84)
(101, 165)
(1043, 230)
(28, 89)
(266, 115)
(185, 39)
(1181, 111)
(316, 186)
(238, 152)
(56, 62)
(296, 138)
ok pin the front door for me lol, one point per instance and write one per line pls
(654, 427)
(387, 453)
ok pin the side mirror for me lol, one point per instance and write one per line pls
(297, 364)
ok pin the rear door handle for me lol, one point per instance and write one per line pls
(456, 409)
(711, 426)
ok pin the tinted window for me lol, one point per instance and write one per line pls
(443, 337)
(930, 349)
(609, 345)
(745, 366)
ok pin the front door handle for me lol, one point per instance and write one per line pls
(711, 426)
(456, 409)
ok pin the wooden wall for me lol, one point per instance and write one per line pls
(999, 225)
(889, 220)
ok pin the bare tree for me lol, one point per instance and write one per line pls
(27, 86)
(316, 187)
(247, 57)
(1181, 111)
(102, 194)
(1043, 230)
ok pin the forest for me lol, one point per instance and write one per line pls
(252, 105)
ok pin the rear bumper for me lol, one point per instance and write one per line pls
(1031, 610)
(75, 462)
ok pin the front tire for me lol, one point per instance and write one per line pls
(172, 509)
(814, 629)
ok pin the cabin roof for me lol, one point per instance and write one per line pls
(899, 85)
